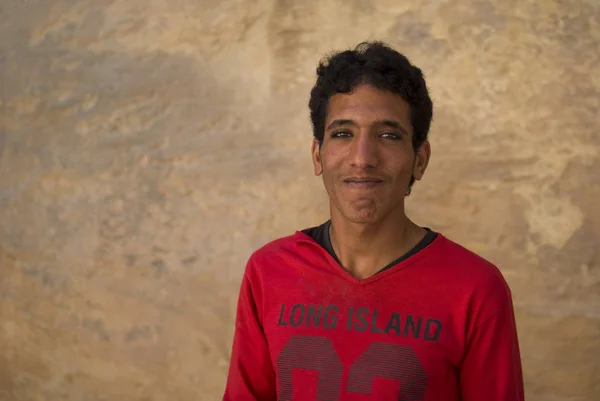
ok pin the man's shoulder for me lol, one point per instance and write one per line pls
(462, 253)
(274, 257)
(285, 246)
(478, 280)
(276, 246)
(470, 266)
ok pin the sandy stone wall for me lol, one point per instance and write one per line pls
(147, 147)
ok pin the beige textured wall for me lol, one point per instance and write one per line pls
(148, 146)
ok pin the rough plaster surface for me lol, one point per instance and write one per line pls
(147, 147)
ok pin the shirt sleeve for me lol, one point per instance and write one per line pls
(491, 369)
(251, 375)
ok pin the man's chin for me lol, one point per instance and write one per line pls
(364, 215)
(368, 212)
(360, 210)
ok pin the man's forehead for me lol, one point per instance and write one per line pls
(363, 107)
(377, 109)
(368, 95)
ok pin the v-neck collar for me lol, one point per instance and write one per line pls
(319, 236)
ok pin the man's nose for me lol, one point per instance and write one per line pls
(363, 151)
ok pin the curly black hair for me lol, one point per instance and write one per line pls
(374, 63)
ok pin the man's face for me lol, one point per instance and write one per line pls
(366, 158)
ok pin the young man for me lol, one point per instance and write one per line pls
(369, 305)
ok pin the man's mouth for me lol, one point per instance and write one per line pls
(362, 182)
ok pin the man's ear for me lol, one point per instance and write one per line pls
(422, 157)
(316, 157)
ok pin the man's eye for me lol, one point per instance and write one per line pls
(340, 134)
(391, 135)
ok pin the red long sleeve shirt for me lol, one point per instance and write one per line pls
(436, 326)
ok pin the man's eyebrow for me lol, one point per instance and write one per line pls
(385, 123)
(337, 123)
(392, 124)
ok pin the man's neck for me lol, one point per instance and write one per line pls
(364, 249)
